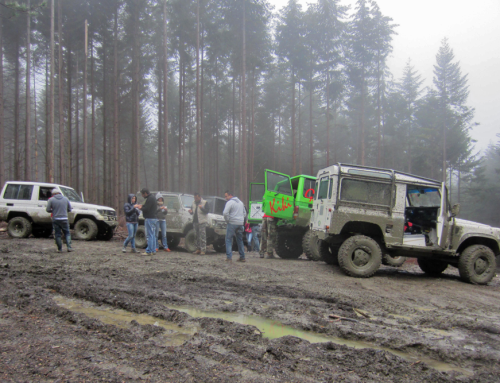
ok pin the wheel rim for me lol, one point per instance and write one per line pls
(360, 257)
(84, 230)
(481, 265)
(18, 228)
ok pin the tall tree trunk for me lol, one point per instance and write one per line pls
(160, 132)
(233, 145)
(244, 170)
(199, 171)
(311, 150)
(363, 100)
(299, 130)
(294, 168)
(50, 131)
(165, 93)
(202, 134)
(2, 127)
(62, 138)
(69, 167)
(216, 128)
(36, 122)
(85, 136)
(327, 119)
(47, 112)
(27, 165)
(116, 132)
(17, 155)
(135, 92)
(94, 176)
(105, 176)
(252, 128)
(279, 142)
(181, 122)
(76, 171)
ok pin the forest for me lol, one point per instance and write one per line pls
(109, 96)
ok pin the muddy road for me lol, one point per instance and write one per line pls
(100, 315)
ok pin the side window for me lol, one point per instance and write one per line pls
(278, 183)
(308, 188)
(22, 192)
(366, 192)
(323, 188)
(44, 193)
(172, 202)
(331, 188)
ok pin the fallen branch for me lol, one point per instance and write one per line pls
(357, 311)
(339, 318)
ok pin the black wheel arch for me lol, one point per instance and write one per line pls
(490, 242)
(14, 214)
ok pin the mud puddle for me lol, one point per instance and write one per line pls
(174, 335)
(272, 329)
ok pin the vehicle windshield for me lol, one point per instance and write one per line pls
(187, 201)
(216, 205)
(424, 197)
(70, 194)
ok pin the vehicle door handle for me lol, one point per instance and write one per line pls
(10, 204)
(40, 205)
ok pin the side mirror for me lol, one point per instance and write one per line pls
(83, 199)
(455, 210)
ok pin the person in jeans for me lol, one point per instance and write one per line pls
(59, 207)
(255, 237)
(149, 213)
(132, 221)
(161, 224)
(249, 234)
(234, 214)
(199, 210)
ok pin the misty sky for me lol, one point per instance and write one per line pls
(473, 32)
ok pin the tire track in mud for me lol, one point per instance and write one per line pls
(222, 350)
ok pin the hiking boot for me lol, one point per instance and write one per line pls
(59, 251)
(167, 249)
(145, 253)
(197, 252)
(70, 250)
(229, 260)
(241, 260)
(124, 250)
(270, 256)
(202, 253)
(133, 251)
(262, 255)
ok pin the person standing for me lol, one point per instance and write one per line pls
(149, 213)
(268, 232)
(234, 215)
(161, 224)
(132, 221)
(255, 237)
(59, 207)
(248, 233)
(199, 211)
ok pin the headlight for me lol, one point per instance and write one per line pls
(102, 212)
(221, 224)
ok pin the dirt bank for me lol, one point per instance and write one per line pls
(433, 323)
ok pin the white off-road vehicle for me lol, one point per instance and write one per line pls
(363, 215)
(23, 204)
(180, 222)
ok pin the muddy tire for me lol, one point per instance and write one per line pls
(19, 227)
(477, 265)
(360, 256)
(42, 232)
(432, 267)
(310, 246)
(288, 246)
(190, 241)
(105, 234)
(173, 241)
(328, 253)
(85, 229)
(141, 240)
(389, 260)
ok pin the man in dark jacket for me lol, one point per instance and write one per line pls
(149, 213)
(59, 206)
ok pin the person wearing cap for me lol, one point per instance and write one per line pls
(59, 207)
(149, 208)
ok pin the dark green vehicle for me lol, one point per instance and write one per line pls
(289, 200)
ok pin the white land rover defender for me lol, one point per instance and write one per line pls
(23, 204)
(363, 215)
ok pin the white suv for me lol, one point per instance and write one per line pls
(23, 204)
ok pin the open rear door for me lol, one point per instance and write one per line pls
(278, 196)
(442, 220)
(255, 212)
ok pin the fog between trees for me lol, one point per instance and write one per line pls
(241, 88)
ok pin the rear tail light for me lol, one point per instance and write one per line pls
(295, 212)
